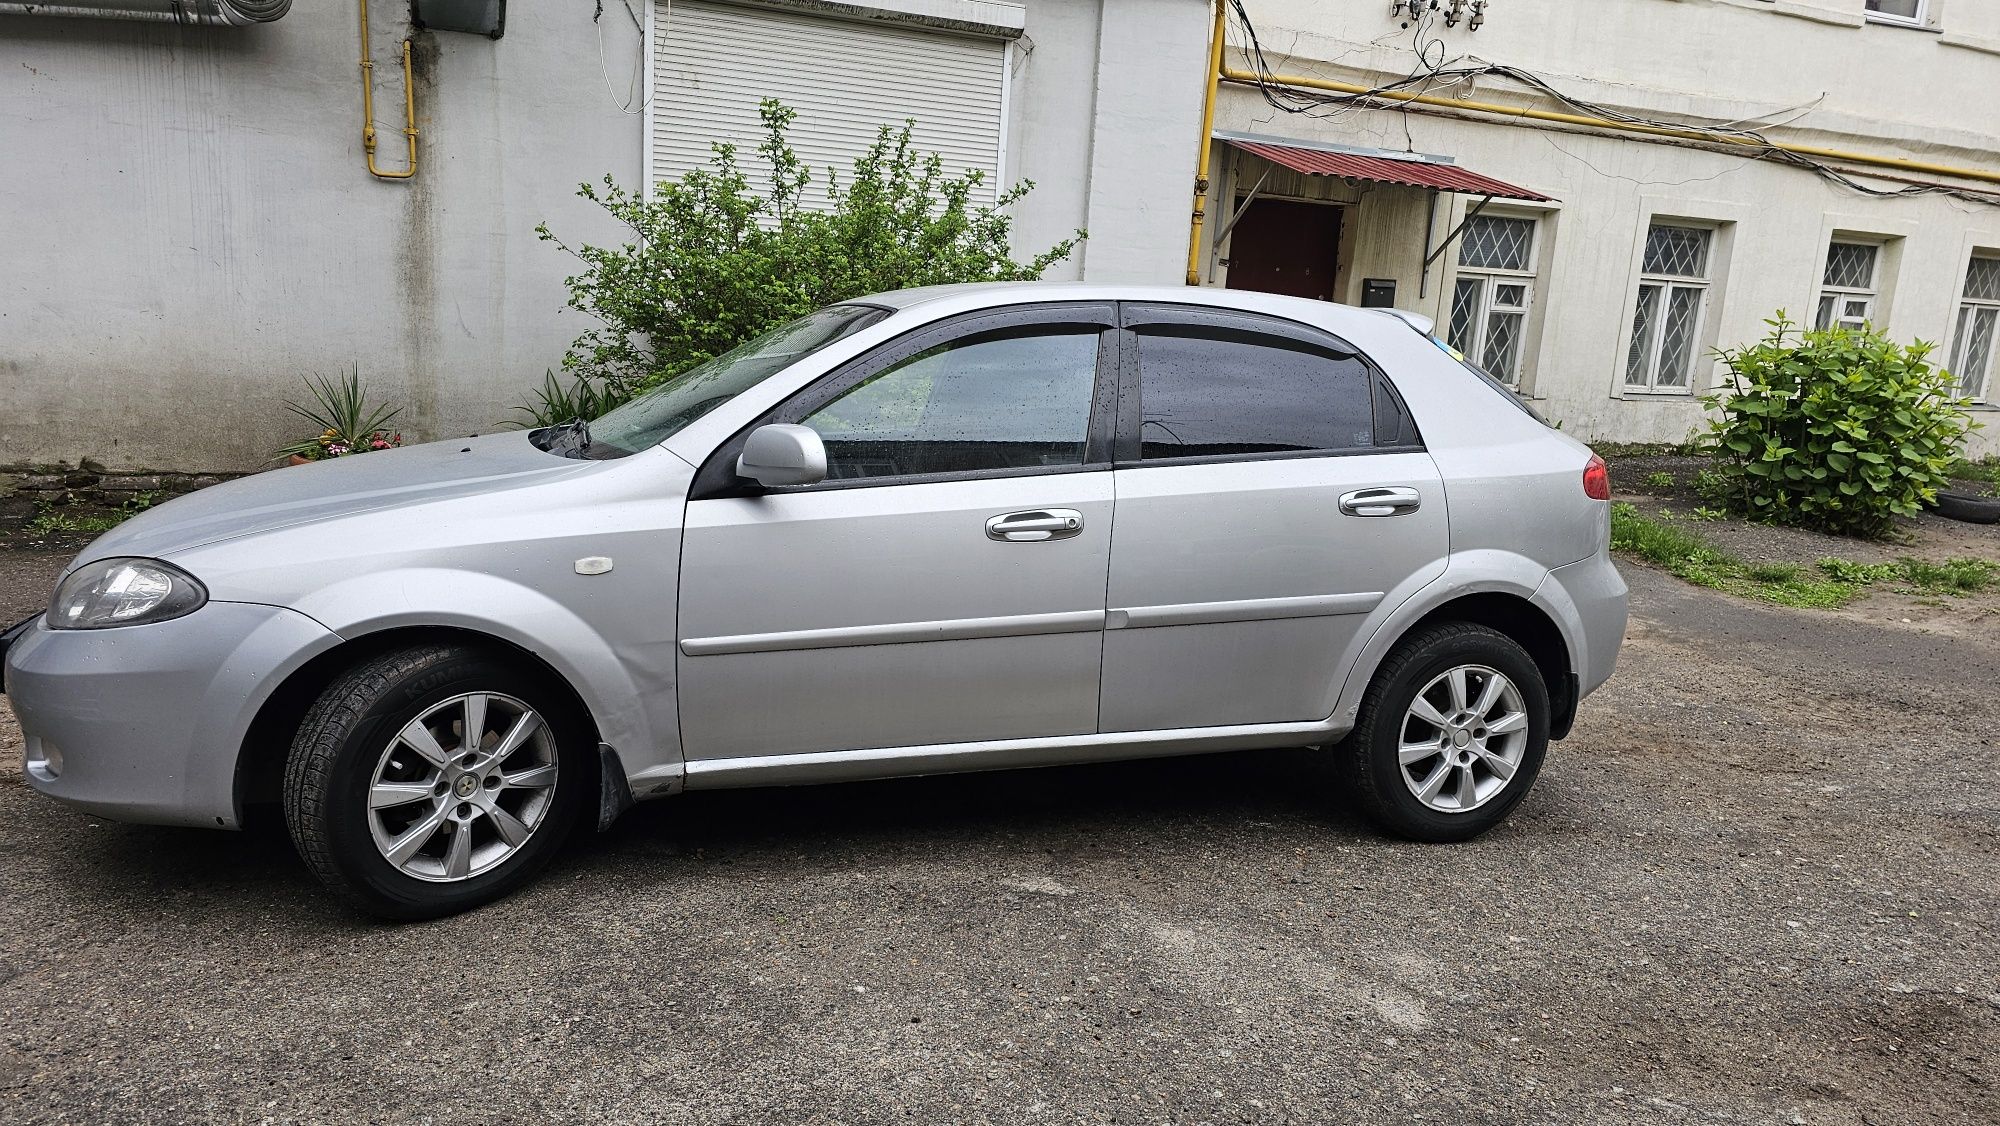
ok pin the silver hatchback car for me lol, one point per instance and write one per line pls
(937, 530)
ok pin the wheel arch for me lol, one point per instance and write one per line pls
(267, 743)
(1528, 626)
(1512, 597)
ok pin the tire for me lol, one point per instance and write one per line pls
(1969, 508)
(363, 736)
(1385, 789)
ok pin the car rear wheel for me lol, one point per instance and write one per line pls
(1450, 736)
(430, 780)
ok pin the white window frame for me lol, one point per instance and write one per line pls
(1977, 386)
(1668, 284)
(1490, 279)
(1841, 295)
(1922, 18)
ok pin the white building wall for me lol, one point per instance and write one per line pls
(187, 228)
(1887, 90)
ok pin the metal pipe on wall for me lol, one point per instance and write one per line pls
(220, 13)
(368, 108)
(1207, 137)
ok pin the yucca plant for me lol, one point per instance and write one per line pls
(345, 420)
(556, 404)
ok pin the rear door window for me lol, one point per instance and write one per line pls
(1207, 391)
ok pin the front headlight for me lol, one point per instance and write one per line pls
(124, 592)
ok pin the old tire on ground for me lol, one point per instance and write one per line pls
(1969, 508)
(1450, 736)
(404, 816)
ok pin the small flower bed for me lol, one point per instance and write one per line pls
(332, 443)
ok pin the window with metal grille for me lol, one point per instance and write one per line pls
(1978, 323)
(1898, 11)
(1666, 319)
(1493, 293)
(1847, 297)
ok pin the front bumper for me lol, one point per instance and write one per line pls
(145, 723)
(7, 639)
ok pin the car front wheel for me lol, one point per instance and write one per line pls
(430, 780)
(1450, 736)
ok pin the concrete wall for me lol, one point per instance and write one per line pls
(1922, 93)
(188, 227)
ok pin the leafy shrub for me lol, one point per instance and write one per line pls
(1834, 429)
(712, 262)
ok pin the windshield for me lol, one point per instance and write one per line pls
(661, 412)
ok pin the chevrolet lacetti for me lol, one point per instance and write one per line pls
(938, 530)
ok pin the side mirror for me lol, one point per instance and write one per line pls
(783, 453)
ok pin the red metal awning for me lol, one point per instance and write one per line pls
(1387, 170)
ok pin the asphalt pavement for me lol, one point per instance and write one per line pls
(1759, 884)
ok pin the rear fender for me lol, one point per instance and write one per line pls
(1466, 573)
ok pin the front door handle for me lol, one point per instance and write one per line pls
(1393, 501)
(1033, 527)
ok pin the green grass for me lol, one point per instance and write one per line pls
(51, 521)
(1985, 470)
(1836, 582)
(1952, 576)
(1660, 480)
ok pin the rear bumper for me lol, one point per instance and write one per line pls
(145, 723)
(1597, 597)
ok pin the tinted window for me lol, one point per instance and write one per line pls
(1204, 392)
(1015, 401)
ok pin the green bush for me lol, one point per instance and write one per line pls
(713, 262)
(1836, 429)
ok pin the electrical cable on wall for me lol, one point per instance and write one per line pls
(632, 103)
(1424, 78)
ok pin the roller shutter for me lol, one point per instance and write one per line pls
(713, 62)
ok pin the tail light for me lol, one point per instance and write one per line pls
(1597, 479)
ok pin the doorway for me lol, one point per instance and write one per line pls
(1287, 247)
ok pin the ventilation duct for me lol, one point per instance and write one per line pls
(223, 12)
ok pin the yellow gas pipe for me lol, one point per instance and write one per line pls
(1231, 74)
(368, 106)
(1207, 136)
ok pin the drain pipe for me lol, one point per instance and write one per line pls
(1207, 137)
(368, 108)
(223, 13)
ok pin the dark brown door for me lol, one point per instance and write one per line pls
(1280, 246)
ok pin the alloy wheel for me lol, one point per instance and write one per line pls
(1462, 738)
(462, 787)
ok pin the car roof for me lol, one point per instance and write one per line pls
(974, 295)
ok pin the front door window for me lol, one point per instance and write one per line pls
(1017, 400)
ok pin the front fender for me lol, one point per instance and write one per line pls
(627, 684)
(1465, 573)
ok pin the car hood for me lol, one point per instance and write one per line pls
(327, 490)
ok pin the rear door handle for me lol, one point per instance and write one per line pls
(1394, 501)
(1035, 526)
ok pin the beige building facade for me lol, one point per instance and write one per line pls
(1604, 301)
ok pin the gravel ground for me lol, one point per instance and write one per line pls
(1758, 885)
